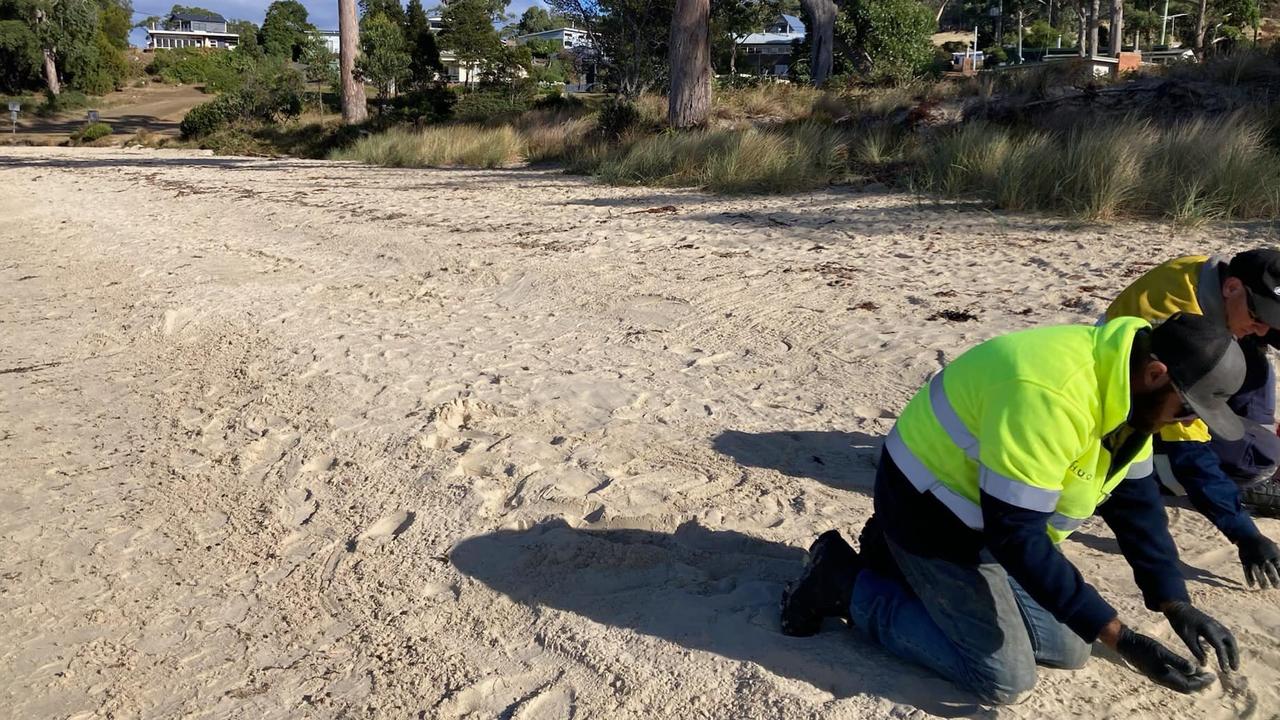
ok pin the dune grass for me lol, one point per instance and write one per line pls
(442, 146)
(1188, 172)
(786, 159)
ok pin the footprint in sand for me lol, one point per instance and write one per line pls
(386, 529)
(299, 507)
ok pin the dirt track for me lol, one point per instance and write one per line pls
(157, 109)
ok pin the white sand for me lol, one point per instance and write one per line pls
(294, 439)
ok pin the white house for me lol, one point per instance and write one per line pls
(191, 30)
(769, 52)
(569, 38)
(330, 38)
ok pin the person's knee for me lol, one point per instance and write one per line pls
(1076, 653)
(1008, 686)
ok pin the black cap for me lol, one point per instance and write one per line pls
(1206, 366)
(1259, 270)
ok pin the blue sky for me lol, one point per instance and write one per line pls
(323, 14)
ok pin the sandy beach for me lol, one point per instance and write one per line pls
(293, 438)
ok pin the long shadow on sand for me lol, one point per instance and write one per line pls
(715, 591)
(843, 460)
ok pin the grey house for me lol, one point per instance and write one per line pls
(191, 30)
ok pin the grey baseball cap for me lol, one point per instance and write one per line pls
(1207, 367)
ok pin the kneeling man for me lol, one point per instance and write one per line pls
(992, 464)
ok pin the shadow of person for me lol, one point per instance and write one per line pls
(843, 460)
(1110, 546)
(715, 591)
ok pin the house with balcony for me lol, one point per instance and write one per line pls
(769, 52)
(180, 30)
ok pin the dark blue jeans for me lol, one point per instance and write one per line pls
(971, 624)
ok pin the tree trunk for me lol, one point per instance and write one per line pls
(1094, 12)
(1202, 23)
(733, 60)
(1082, 29)
(822, 32)
(689, 102)
(51, 73)
(1117, 27)
(355, 108)
(937, 17)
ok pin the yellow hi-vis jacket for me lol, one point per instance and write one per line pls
(1190, 285)
(1030, 418)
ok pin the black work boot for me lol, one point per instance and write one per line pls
(823, 588)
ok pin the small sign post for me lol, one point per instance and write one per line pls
(14, 107)
(93, 116)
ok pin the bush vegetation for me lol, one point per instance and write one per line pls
(91, 132)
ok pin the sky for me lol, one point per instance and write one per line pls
(322, 13)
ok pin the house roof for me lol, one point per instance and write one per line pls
(769, 39)
(198, 17)
(793, 22)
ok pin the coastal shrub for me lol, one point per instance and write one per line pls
(440, 146)
(91, 132)
(480, 106)
(617, 117)
(260, 98)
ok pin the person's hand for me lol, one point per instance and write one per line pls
(1261, 561)
(1160, 664)
(1196, 629)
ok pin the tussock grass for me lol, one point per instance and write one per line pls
(442, 146)
(778, 101)
(1189, 172)
(797, 157)
(551, 135)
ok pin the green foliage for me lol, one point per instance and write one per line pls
(384, 57)
(115, 22)
(263, 97)
(1042, 35)
(19, 57)
(430, 104)
(888, 40)
(320, 65)
(535, 20)
(617, 117)
(248, 34)
(66, 101)
(994, 55)
(89, 133)
(508, 64)
(285, 29)
(424, 60)
(100, 68)
(390, 8)
(632, 33)
(488, 105)
(216, 70)
(468, 32)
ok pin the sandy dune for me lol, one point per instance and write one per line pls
(304, 439)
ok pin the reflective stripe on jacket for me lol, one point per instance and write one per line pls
(1023, 417)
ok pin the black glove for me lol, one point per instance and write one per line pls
(1160, 664)
(1196, 628)
(1261, 560)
